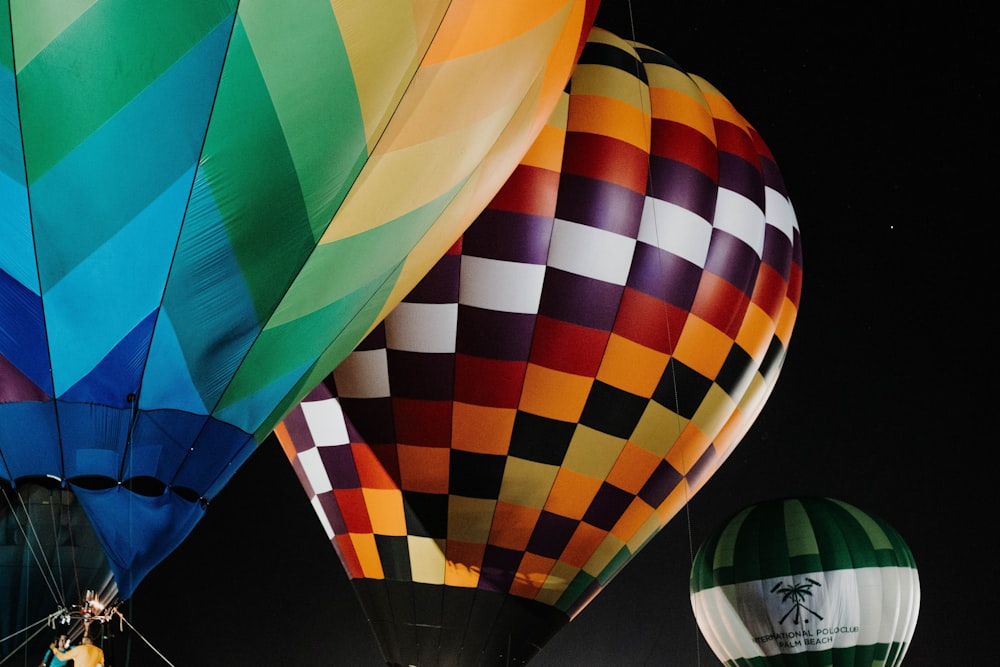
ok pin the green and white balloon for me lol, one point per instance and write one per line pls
(807, 582)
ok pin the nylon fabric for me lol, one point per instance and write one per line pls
(812, 581)
(180, 183)
(512, 429)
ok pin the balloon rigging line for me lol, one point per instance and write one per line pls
(57, 583)
(666, 313)
(43, 623)
(58, 552)
(47, 576)
(140, 636)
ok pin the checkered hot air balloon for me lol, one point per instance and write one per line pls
(206, 205)
(562, 382)
(805, 582)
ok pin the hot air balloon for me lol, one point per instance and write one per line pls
(207, 205)
(566, 378)
(806, 581)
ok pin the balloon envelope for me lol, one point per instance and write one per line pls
(806, 582)
(208, 204)
(561, 383)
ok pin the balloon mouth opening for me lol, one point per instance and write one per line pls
(44, 481)
(149, 487)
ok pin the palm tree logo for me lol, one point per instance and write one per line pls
(797, 594)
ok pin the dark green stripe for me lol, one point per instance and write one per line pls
(844, 540)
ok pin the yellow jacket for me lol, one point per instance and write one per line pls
(82, 655)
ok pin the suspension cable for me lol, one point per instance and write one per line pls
(138, 634)
(30, 541)
(41, 624)
(651, 194)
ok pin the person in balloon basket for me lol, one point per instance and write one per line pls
(84, 654)
(50, 659)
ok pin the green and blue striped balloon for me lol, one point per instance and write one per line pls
(806, 582)
(205, 206)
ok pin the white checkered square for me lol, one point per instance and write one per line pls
(422, 327)
(312, 467)
(363, 374)
(676, 230)
(737, 215)
(326, 422)
(323, 518)
(495, 284)
(779, 213)
(591, 252)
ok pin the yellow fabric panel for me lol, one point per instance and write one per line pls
(385, 51)
(427, 561)
(512, 525)
(602, 36)
(682, 99)
(385, 511)
(367, 553)
(592, 453)
(467, 91)
(658, 429)
(537, 105)
(702, 347)
(633, 468)
(721, 107)
(479, 429)
(527, 483)
(713, 411)
(734, 430)
(453, 112)
(571, 494)
(554, 394)
(395, 183)
(562, 57)
(608, 549)
(465, 522)
(479, 189)
(594, 80)
(556, 582)
(472, 26)
(746, 413)
(632, 367)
